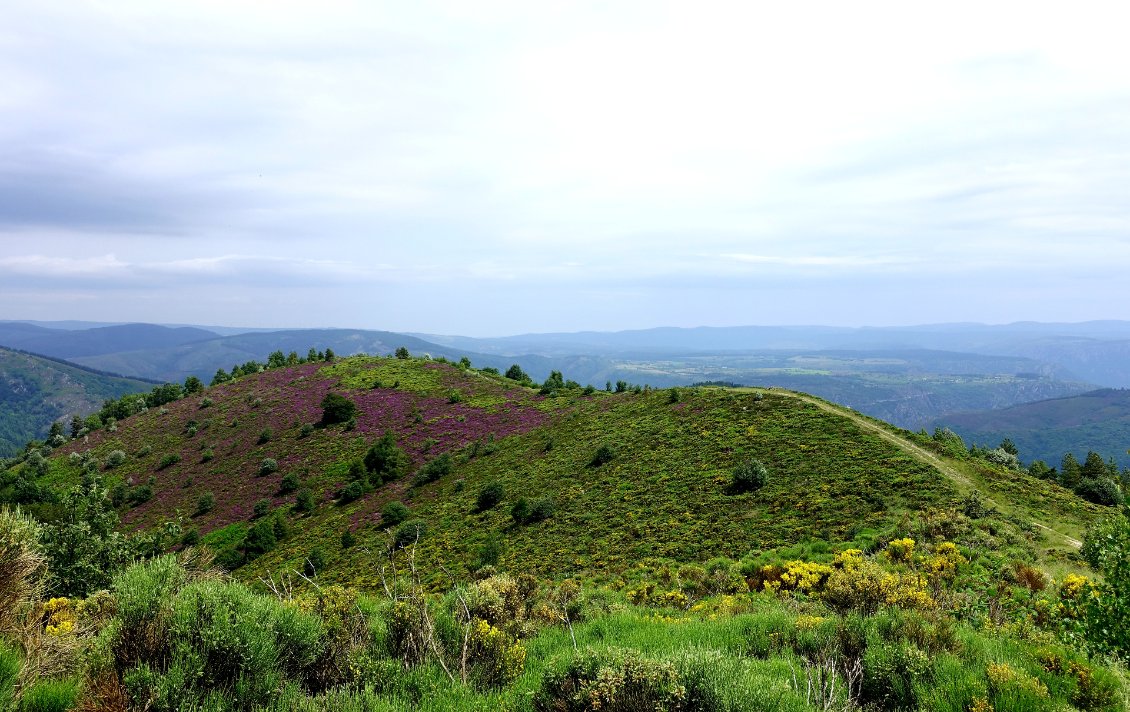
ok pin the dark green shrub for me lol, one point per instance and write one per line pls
(520, 512)
(268, 466)
(306, 430)
(190, 537)
(140, 495)
(410, 532)
(434, 469)
(315, 562)
(205, 503)
(207, 455)
(748, 476)
(394, 513)
(290, 483)
(385, 461)
(262, 508)
(264, 436)
(304, 500)
(402, 353)
(337, 408)
(454, 396)
(604, 454)
(348, 539)
(611, 680)
(515, 373)
(230, 559)
(260, 539)
(168, 461)
(490, 495)
(541, 508)
(527, 511)
(353, 491)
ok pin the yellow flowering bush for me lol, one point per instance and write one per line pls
(802, 576)
(1003, 678)
(59, 616)
(900, 550)
(1073, 585)
(496, 659)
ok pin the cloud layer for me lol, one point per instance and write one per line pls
(506, 167)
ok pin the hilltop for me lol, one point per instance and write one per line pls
(632, 476)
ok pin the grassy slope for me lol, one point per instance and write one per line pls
(1047, 429)
(34, 392)
(664, 494)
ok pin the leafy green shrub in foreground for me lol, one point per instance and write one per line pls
(205, 638)
(50, 696)
(611, 680)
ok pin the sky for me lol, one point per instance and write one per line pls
(493, 168)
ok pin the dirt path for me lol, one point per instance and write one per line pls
(918, 451)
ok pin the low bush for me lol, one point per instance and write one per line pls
(409, 533)
(205, 503)
(394, 513)
(268, 466)
(290, 483)
(489, 496)
(611, 680)
(168, 461)
(748, 476)
(434, 469)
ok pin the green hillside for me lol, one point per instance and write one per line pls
(36, 391)
(664, 493)
(1048, 429)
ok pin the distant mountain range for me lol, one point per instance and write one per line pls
(910, 376)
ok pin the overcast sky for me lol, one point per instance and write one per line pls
(488, 168)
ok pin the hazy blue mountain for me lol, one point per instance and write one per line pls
(74, 343)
